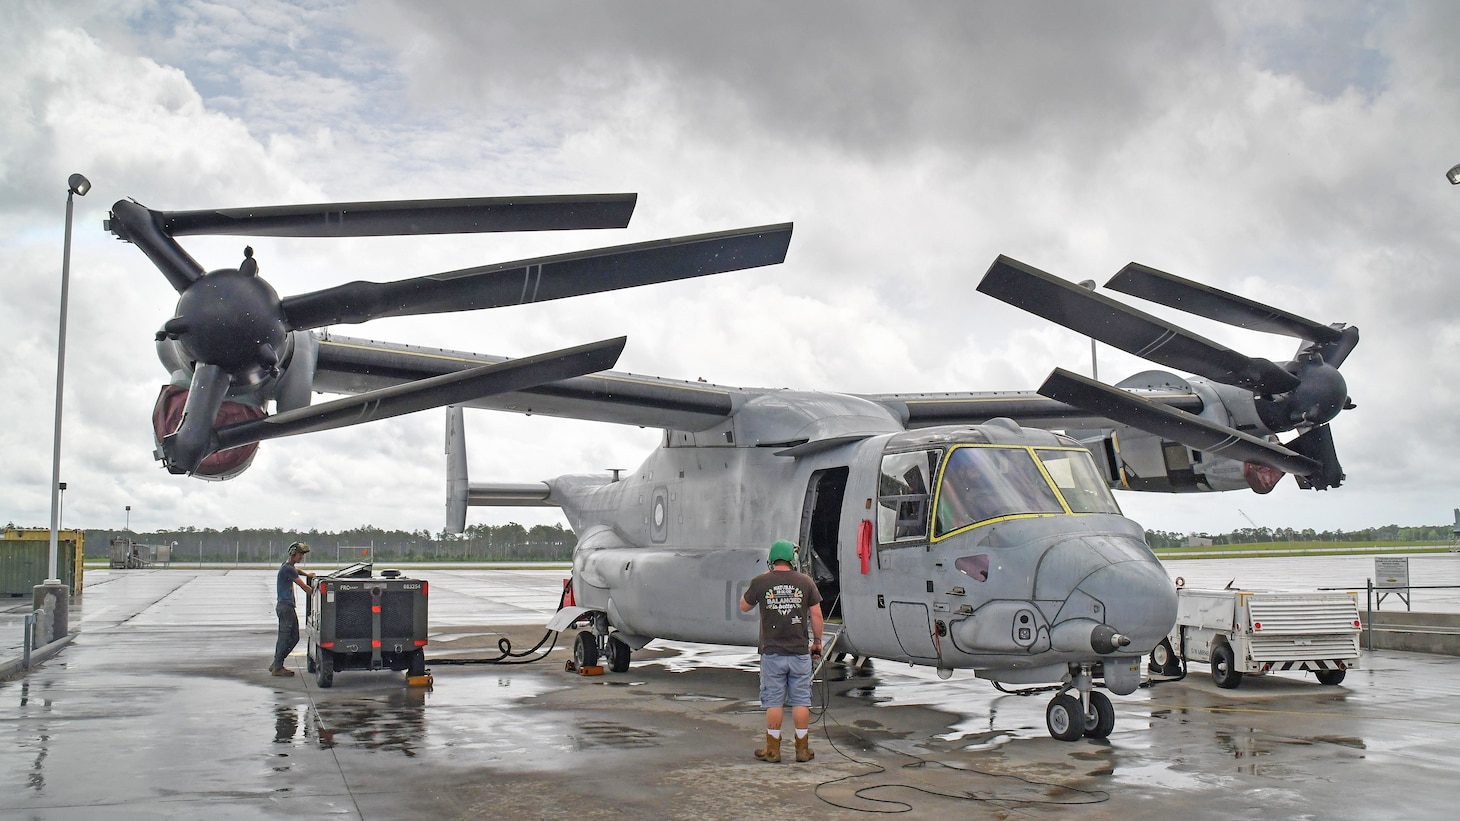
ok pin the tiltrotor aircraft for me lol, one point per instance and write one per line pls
(955, 530)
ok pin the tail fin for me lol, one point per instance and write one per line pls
(456, 482)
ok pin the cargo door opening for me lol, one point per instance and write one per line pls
(820, 527)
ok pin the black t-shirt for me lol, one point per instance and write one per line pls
(783, 598)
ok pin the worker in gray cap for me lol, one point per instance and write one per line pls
(289, 575)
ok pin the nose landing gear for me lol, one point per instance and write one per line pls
(1082, 714)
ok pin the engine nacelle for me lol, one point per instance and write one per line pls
(167, 414)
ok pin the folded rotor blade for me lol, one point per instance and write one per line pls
(543, 278)
(1203, 300)
(186, 448)
(1175, 425)
(1121, 326)
(408, 217)
(435, 392)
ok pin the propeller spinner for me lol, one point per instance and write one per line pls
(236, 333)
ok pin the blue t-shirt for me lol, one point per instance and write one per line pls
(287, 574)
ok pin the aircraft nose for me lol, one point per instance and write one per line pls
(1138, 598)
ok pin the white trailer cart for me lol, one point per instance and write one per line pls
(1259, 631)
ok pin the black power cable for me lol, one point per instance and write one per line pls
(504, 645)
(1082, 796)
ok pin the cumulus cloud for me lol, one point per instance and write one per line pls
(1291, 153)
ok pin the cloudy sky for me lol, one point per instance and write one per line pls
(1293, 153)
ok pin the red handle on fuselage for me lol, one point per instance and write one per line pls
(864, 545)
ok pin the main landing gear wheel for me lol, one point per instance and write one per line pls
(1101, 720)
(618, 655)
(1065, 717)
(326, 677)
(1330, 676)
(585, 650)
(1224, 667)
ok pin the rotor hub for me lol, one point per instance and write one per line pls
(230, 319)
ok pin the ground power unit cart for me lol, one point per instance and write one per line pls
(357, 621)
(1254, 632)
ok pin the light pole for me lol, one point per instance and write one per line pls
(129, 518)
(1094, 371)
(76, 186)
(61, 515)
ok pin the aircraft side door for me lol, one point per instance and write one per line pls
(893, 618)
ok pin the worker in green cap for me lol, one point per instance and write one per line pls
(790, 635)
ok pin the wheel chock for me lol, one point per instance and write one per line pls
(594, 670)
(426, 681)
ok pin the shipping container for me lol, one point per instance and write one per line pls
(25, 560)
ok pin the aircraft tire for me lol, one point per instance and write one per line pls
(1102, 723)
(1065, 718)
(618, 655)
(585, 650)
(1224, 667)
(1331, 677)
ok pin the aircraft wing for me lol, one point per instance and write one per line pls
(347, 365)
(925, 410)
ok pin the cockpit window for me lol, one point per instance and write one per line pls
(981, 483)
(902, 496)
(1078, 480)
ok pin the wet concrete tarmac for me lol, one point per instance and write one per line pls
(162, 707)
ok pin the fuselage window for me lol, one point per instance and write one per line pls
(1078, 480)
(981, 483)
(903, 492)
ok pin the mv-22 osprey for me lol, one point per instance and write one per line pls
(955, 530)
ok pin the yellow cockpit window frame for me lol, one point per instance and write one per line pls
(1031, 452)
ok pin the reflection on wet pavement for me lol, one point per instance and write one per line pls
(162, 708)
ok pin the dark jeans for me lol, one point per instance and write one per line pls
(288, 633)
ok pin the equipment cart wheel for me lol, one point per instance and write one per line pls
(1224, 667)
(1330, 677)
(417, 666)
(309, 664)
(1065, 717)
(618, 655)
(1102, 722)
(1163, 660)
(326, 676)
(585, 650)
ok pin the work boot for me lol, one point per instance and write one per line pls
(281, 671)
(803, 748)
(772, 752)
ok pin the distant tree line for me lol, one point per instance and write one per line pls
(509, 542)
(1263, 535)
(513, 542)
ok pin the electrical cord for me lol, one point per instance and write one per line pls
(504, 646)
(889, 806)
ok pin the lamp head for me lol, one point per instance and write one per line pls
(78, 184)
(1453, 175)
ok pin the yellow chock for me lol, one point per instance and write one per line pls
(420, 681)
(595, 670)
